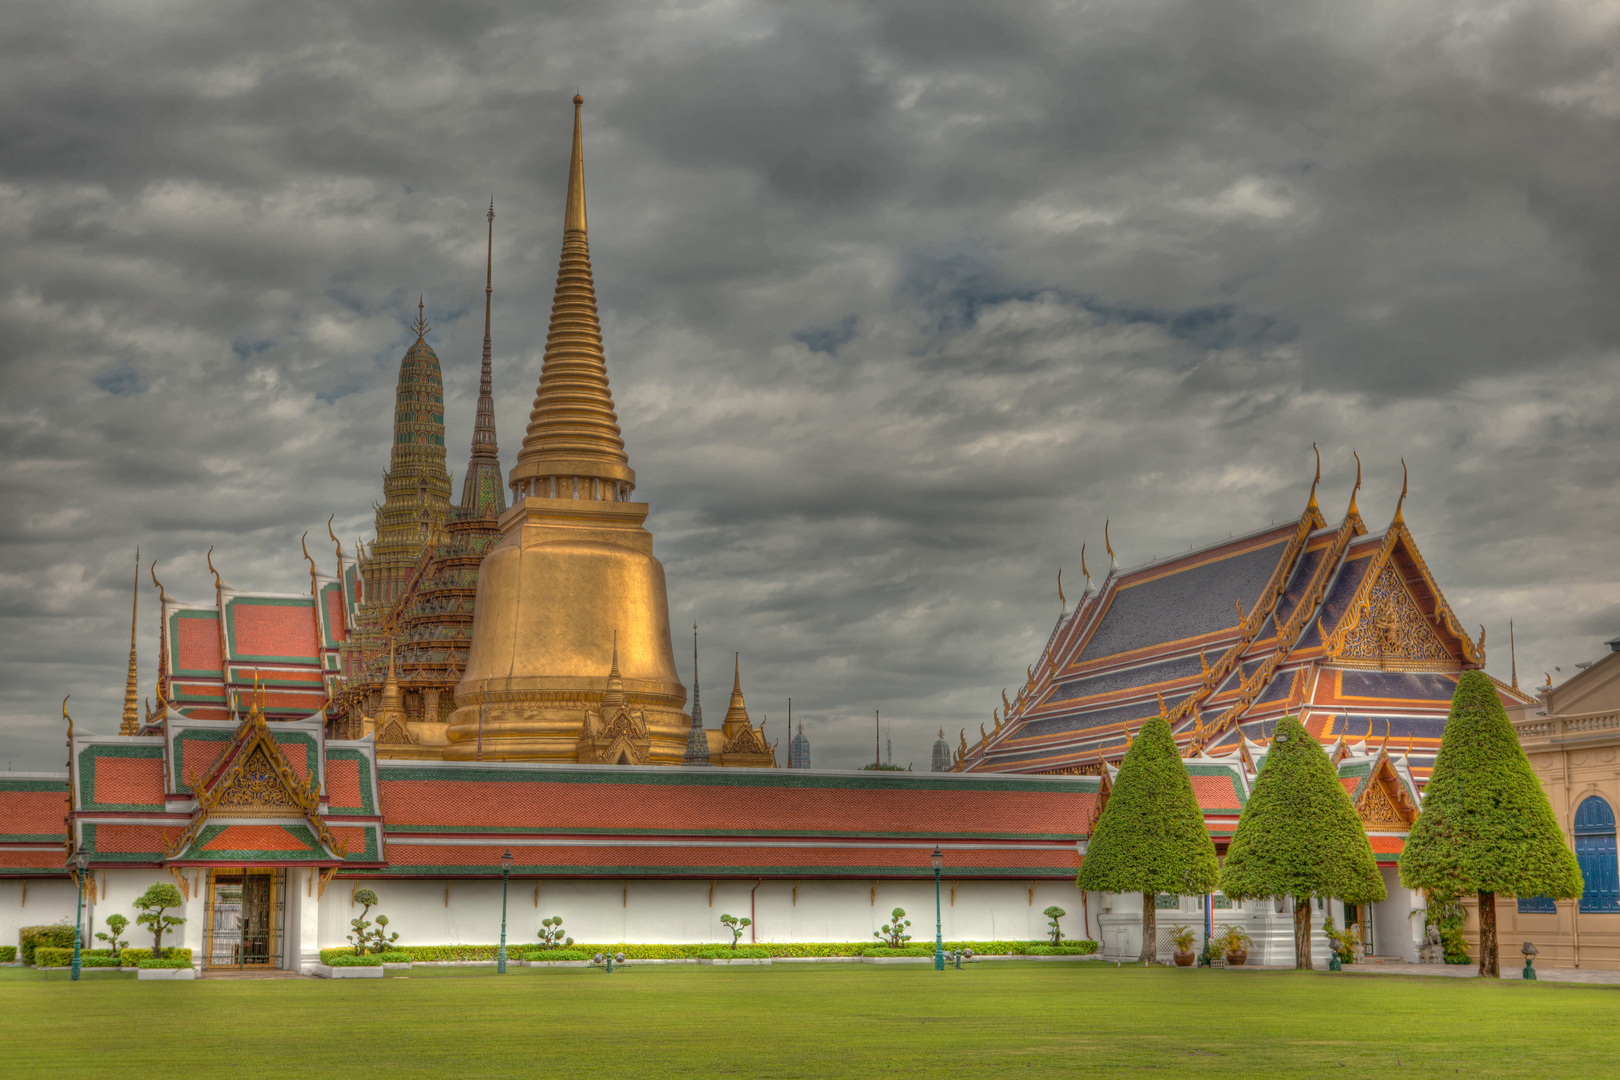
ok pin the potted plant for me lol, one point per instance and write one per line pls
(1235, 942)
(1183, 938)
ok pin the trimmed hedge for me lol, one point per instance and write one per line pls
(8, 954)
(1073, 948)
(393, 956)
(714, 951)
(167, 963)
(351, 960)
(55, 957)
(726, 952)
(29, 938)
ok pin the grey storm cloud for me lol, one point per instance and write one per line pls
(901, 301)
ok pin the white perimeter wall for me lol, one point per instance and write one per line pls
(458, 912)
(436, 912)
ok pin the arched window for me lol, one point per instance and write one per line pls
(1595, 850)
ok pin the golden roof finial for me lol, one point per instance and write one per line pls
(1064, 600)
(1398, 519)
(1353, 511)
(1083, 571)
(420, 325)
(69, 719)
(1112, 561)
(131, 723)
(1312, 507)
(1163, 714)
(220, 584)
(336, 541)
(1549, 680)
(303, 542)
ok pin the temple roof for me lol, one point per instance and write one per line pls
(1331, 623)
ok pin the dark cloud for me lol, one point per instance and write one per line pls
(901, 301)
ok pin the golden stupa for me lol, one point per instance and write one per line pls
(571, 658)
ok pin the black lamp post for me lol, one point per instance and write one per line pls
(506, 873)
(80, 861)
(938, 862)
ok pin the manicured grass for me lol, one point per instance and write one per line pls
(1000, 1019)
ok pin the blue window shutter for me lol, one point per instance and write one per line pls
(1596, 852)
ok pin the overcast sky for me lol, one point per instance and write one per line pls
(901, 301)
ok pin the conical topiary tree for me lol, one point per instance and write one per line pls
(1486, 826)
(1299, 836)
(1151, 836)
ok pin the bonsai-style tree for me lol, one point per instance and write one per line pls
(361, 937)
(115, 926)
(1055, 913)
(1486, 826)
(1299, 836)
(1151, 836)
(381, 939)
(894, 931)
(736, 926)
(551, 934)
(157, 899)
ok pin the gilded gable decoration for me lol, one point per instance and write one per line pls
(255, 780)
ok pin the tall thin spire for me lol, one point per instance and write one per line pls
(697, 741)
(481, 489)
(573, 448)
(131, 724)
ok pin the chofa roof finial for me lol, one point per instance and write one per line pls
(1354, 511)
(1312, 507)
(1398, 519)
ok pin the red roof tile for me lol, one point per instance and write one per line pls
(560, 805)
(255, 838)
(196, 647)
(126, 780)
(343, 785)
(1215, 792)
(273, 630)
(677, 858)
(34, 813)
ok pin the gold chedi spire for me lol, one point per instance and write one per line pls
(737, 714)
(572, 589)
(131, 723)
(573, 447)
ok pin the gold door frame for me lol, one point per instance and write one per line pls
(210, 952)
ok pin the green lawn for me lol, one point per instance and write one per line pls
(810, 1020)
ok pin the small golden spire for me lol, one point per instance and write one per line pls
(574, 211)
(420, 325)
(1513, 655)
(131, 723)
(1398, 519)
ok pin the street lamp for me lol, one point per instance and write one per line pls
(80, 861)
(938, 862)
(1529, 952)
(506, 874)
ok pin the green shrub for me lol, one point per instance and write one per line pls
(1072, 948)
(394, 956)
(8, 954)
(722, 952)
(348, 959)
(116, 924)
(30, 938)
(444, 953)
(54, 957)
(133, 957)
(907, 950)
(736, 925)
(171, 963)
(550, 955)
